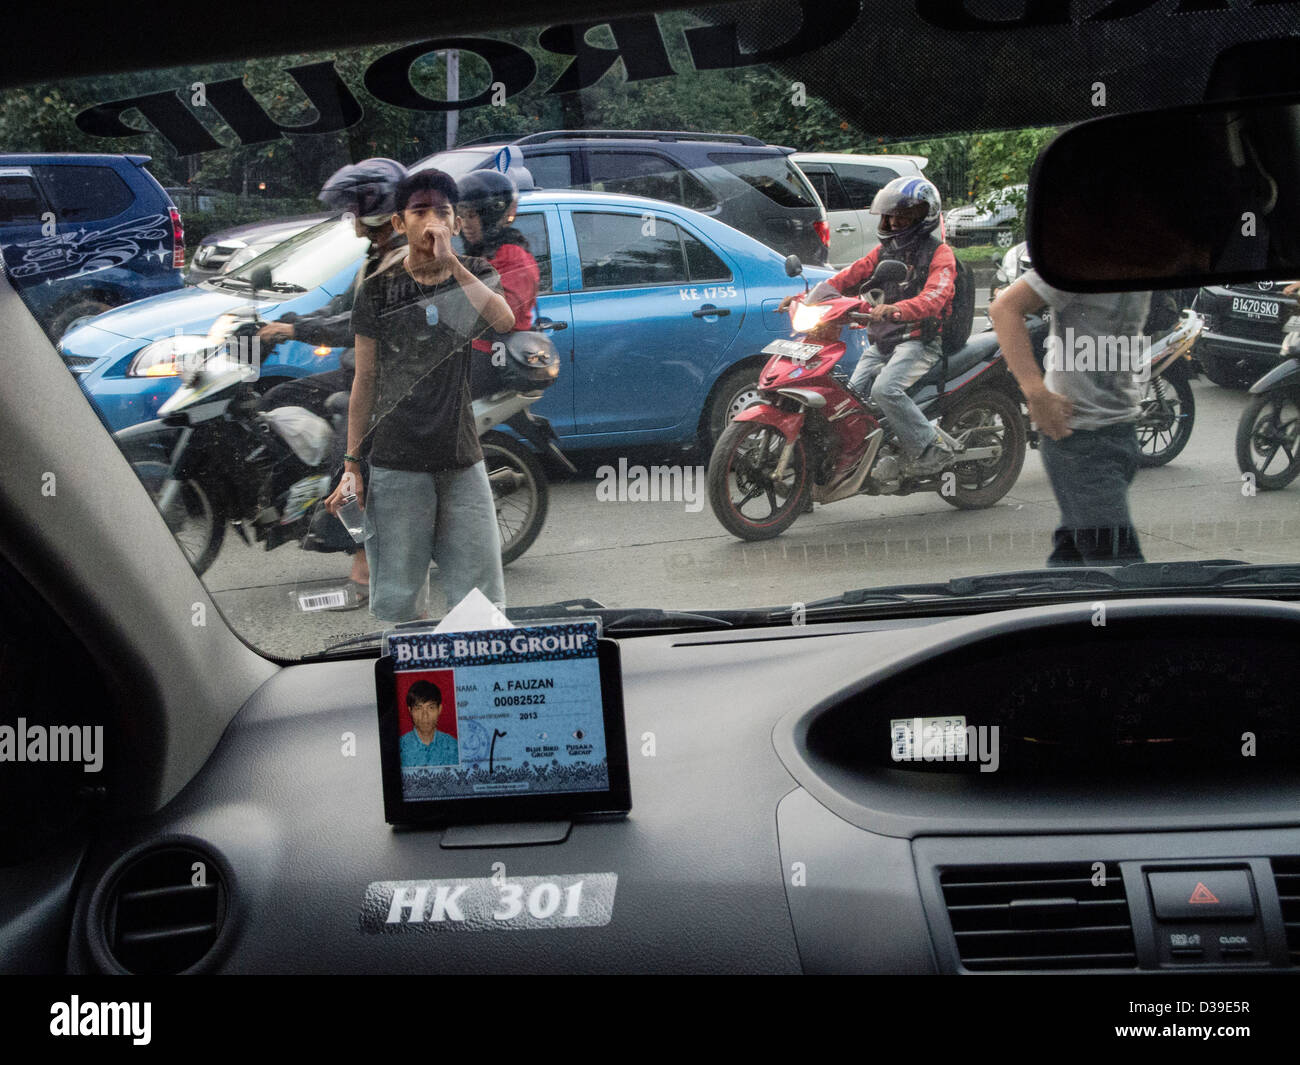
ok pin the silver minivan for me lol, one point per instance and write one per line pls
(847, 184)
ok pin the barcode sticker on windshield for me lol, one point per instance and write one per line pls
(927, 738)
(323, 600)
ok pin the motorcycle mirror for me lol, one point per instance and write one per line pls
(793, 267)
(1226, 208)
(889, 272)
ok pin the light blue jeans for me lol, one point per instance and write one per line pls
(888, 378)
(412, 519)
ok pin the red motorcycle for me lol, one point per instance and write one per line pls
(811, 437)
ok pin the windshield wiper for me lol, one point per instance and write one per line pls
(1073, 580)
(623, 621)
(284, 286)
(1003, 589)
(228, 281)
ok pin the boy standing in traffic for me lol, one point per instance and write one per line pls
(1086, 411)
(428, 496)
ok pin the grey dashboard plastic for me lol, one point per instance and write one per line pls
(724, 804)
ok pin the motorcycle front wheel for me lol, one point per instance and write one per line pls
(1165, 423)
(197, 519)
(519, 490)
(982, 419)
(1268, 439)
(746, 497)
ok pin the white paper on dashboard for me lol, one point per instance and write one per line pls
(472, 614)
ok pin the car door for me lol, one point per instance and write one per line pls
(847, 237)
(861, 182)
(541, 229)
(655, 306)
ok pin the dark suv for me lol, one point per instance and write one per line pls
(83, 233)
(1243, 334)
(752, 186)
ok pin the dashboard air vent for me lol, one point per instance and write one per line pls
(164, 911)
(1286, 875)
(1044, 917)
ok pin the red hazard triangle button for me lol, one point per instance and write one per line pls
(1189, 896)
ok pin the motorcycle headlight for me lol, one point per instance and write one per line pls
(169, 357)
(807, 318)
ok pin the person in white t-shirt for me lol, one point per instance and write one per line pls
(1086, 407)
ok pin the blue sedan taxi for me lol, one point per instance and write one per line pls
(660, 315)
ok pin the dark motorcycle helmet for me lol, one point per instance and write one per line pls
(367, 188)
(903, 194)
(493, 196)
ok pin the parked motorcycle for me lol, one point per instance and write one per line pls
(213, 457)
(1168, 406)
(1268, 434)
(811, 436)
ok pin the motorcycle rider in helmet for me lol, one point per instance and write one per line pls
(367, 190)
(904, 334)
(486, 208)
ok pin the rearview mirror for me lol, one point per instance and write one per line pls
(793, 267)
(1171, 199)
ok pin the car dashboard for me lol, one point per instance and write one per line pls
(780, 824)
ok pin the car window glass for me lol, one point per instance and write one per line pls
(702, 263)
(457, 163)
(829, 191)
(20, 203)
(646, 174)
(309, 259)
(861, 183)
(553, 170)
(625, 250)
(84, 193)
(533, 228)
(772, 174)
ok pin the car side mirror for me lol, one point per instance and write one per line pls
(261, 279)
(793, 267)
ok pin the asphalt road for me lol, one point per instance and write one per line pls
(670, 554)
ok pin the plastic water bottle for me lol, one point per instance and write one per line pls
(350, 515)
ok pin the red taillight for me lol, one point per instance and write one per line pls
(178, 239)
(823, 231)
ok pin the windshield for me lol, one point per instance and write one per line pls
(554, 420)
(305, 261)
(460, 162)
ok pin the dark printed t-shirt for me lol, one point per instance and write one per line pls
(422, 333)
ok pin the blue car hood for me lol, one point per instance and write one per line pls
(189, 310)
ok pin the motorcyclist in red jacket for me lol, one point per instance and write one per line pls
(905, 332)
